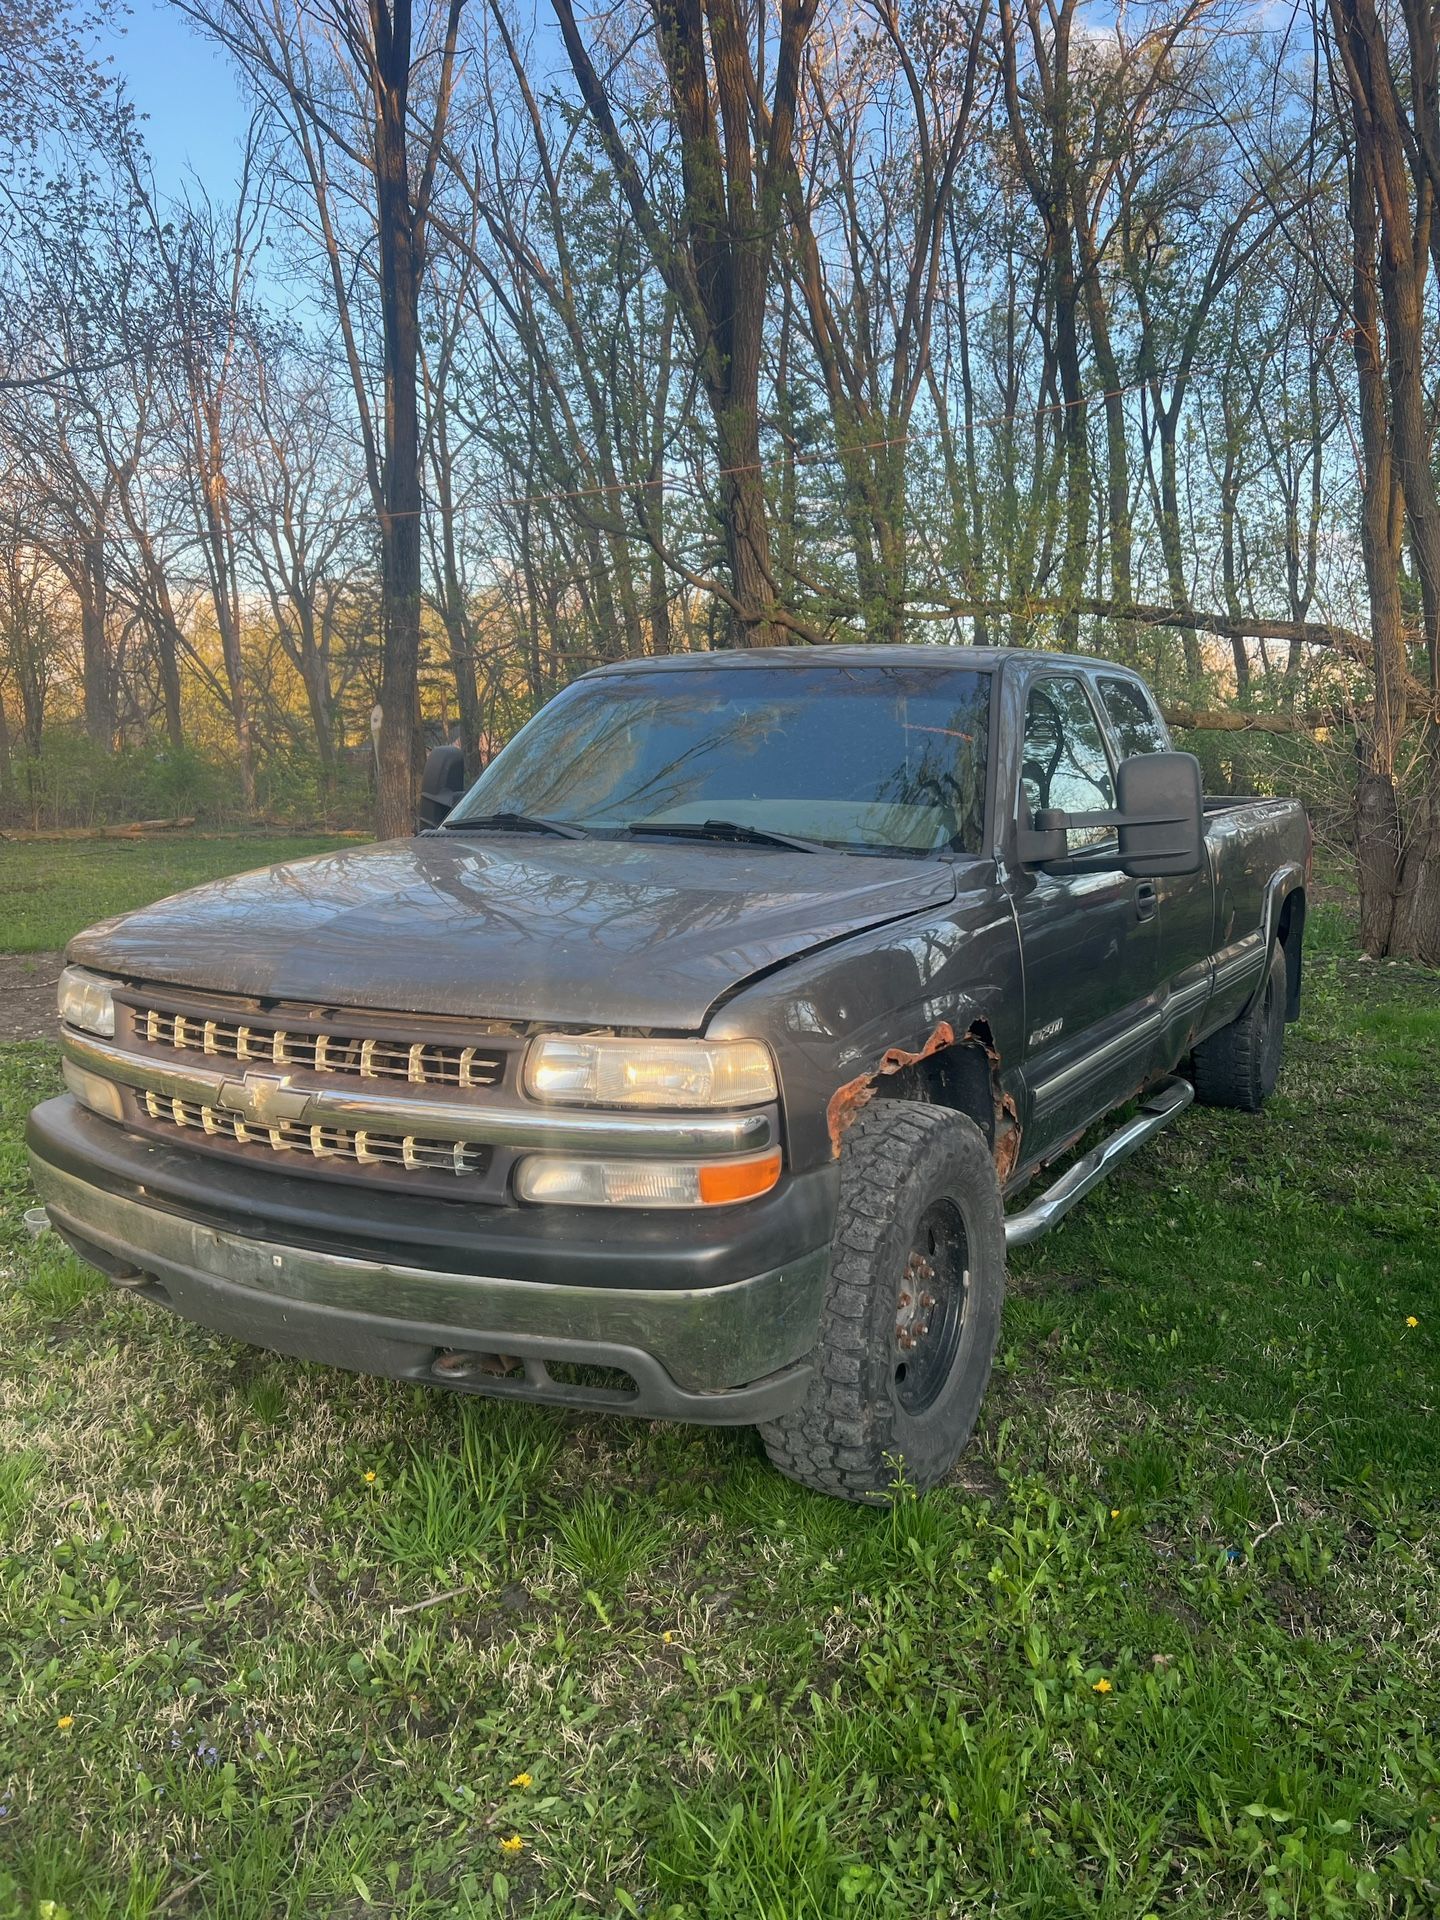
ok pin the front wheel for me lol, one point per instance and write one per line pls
(912, 1311)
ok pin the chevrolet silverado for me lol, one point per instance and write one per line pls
(687, 1064)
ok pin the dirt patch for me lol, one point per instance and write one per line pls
(27, 995)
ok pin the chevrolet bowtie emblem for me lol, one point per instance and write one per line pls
(263, 1098)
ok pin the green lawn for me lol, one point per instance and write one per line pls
(50, 889)
(275, 1641)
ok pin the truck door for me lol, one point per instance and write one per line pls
(1089, 942)
(1184, 903)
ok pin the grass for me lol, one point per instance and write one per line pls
(275, 1641)
(51, 889)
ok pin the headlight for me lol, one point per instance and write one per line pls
(85, 1001)
(585, 1071)
(644, 1183)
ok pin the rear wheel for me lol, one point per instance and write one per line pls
(912, 1311)
(1239, 1065)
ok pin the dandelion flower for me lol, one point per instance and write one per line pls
(65, 1722)
(1101, 1686)
(370, 1477)
(1411, 1321)
(667, 1636)
(1114, 1513)
(513, 1845)
(521, 1780)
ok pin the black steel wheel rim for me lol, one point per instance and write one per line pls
(930, 1307)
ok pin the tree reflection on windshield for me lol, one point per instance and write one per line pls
(865, 758)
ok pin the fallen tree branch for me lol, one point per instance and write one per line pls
(1307, 720)
(1309, 633)
(1197, 720)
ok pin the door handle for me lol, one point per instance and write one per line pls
(1145, 900)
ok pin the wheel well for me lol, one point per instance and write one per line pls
(965, 1077)
(1290, 932)
(958, 1078)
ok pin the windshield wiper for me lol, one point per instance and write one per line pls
(733, 830)
(515, 823)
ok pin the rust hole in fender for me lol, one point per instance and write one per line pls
(848, 1100)
(1007, 1120)
(1007, 1141)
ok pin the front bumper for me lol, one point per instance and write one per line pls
(213, 1250)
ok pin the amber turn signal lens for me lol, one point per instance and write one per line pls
(562, 1181)
(726, 1180)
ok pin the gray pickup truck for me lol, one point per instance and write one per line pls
(687, 1063)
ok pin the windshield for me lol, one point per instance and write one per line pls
(868, 759)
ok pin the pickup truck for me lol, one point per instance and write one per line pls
(686, 1064)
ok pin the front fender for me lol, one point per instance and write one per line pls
(838, 1018)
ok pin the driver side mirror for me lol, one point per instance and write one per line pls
(1160, 821)
(441, 785)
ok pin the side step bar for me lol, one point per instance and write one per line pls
(1157, 1110)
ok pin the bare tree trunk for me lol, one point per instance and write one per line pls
(1171, 542)
(400, 509)
(1074, 435)
(1377, 812)
(459, 632)
(1392, 216)
(374, 44)
(747, 529)
(1048, 173)
(167, 659)
(317, 699)
(650, 498)
(1229, 507)
(1117, 450)
(90, 584)
(225, 595)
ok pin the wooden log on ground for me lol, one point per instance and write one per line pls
(130, 830)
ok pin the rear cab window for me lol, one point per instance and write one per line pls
(1134, 723)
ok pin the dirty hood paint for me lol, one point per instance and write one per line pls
(514, 926)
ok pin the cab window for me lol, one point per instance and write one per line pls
(1136, 725)
(1063, 762)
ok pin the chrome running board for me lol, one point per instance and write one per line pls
(1157, 1110)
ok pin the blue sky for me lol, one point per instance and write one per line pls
(196, 113)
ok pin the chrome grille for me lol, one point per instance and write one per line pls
(422, 1063)
(358, 1147)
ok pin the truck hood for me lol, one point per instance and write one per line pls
(513, 926)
